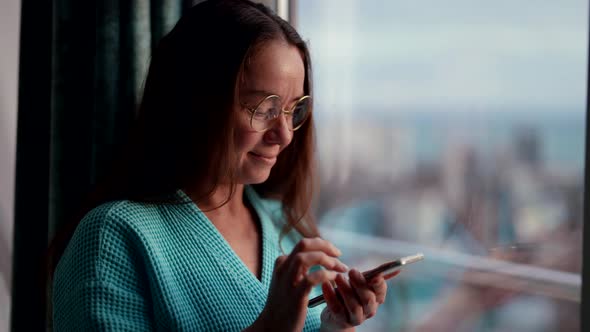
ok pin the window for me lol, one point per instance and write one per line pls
(457, 129)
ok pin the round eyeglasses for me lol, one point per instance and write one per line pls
(264, 115)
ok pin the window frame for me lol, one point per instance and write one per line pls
(585, 306)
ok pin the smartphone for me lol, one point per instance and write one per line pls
(386, 268)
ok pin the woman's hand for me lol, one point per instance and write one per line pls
(357, 300)
(286, 307)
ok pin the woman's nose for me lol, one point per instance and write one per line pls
(279, 132)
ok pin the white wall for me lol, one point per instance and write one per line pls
(9, 50)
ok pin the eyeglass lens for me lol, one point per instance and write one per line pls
(270, 109)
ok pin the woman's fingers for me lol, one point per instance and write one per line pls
(312, 258)
(391, 275)
(360, 298)
(280, 261)
(351, 301)
(301, 262)
(333, 301)
(316, 278)
(379, 286)
(316, 244)
(365, 293)
(309, 252)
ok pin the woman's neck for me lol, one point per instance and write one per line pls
(234, 209)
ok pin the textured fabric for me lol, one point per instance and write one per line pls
(136, 267)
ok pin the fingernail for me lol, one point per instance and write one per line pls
(344, 266)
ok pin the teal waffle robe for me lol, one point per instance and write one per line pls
(163, 267)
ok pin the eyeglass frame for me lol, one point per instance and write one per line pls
(252, 111)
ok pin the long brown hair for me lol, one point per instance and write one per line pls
(183, 133)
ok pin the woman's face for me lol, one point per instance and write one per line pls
(275, 69)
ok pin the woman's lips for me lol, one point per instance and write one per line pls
(268, 160)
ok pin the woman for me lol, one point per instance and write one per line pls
(191, 230)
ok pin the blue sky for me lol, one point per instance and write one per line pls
(482, 56)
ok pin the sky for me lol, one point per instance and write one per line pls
(432, 55)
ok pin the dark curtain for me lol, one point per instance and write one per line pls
(82, 66)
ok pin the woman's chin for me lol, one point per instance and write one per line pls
(260, 180)
(257, 178)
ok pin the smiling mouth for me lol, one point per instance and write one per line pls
(263, 158)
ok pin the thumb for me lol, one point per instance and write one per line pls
(391, 275)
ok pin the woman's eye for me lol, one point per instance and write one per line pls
(271, 113)
(265, 113)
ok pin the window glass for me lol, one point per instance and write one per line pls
(455, 128)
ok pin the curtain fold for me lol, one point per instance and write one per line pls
(82, 67)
